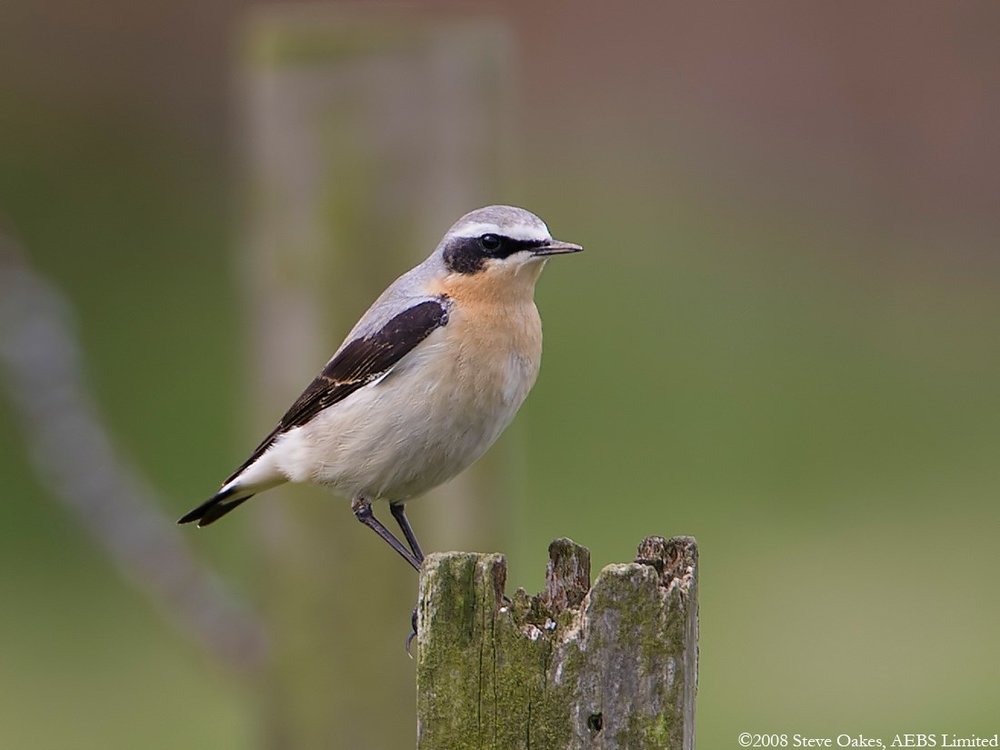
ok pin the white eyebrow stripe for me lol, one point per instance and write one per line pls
(514, 231)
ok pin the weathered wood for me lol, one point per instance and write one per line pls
(612, 667)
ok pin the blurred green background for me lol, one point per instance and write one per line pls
(783, 339)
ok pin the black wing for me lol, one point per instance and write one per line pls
(359, 363)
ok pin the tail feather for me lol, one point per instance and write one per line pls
(216, 507)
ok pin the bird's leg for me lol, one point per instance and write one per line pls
(399, 513)
(363, 512)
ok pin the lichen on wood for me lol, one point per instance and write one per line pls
(612, 666)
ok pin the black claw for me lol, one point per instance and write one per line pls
(413, 632)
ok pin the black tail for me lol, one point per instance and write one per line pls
(215, 507)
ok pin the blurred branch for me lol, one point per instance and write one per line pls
(74, 457)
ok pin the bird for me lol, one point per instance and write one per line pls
(424, 383)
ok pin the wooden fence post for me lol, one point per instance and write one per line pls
(368, 131)
(613, 666)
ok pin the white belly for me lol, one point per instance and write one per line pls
(428, 420)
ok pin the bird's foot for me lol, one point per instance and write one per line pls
(413, 632)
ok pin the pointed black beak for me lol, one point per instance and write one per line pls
(555, 247)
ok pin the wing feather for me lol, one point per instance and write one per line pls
(358, 363)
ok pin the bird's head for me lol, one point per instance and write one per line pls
(500, 241)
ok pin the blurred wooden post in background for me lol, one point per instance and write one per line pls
(613, 667)
(368, 132)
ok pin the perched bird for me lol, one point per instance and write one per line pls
(422, 386)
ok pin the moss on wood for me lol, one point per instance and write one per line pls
(610, 667)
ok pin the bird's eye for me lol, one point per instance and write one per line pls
(490, 241)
